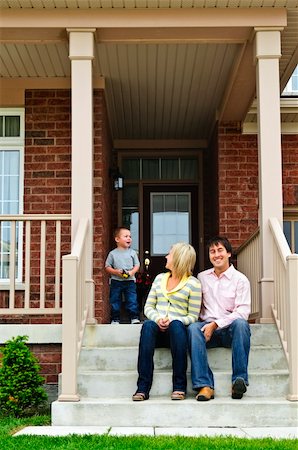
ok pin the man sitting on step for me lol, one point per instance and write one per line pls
(222, 322)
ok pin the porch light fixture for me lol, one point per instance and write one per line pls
(117, 179)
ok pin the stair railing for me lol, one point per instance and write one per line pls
(248, 262)
(285, 307)
(77, 295)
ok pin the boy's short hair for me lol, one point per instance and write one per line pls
(220, 240)
(117, 231)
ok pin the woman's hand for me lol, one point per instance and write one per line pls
(163, 323)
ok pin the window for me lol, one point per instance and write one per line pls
(291, 88)
(11, 184)
(160, 169)
(290, 225)
(170, 220)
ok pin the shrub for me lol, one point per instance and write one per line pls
(21, 390)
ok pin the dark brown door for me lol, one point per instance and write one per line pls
(170, 216)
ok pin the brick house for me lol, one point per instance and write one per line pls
(181, 99)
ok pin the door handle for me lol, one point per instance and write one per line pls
(146, 260)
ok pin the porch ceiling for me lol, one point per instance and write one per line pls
(160, 84)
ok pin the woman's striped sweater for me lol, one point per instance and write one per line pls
(182, 303)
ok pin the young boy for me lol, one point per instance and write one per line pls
(121, 264)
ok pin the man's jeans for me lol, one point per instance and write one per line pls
(236, 336)
(175, 338)
(128, 288)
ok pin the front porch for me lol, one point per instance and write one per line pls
(101, 86)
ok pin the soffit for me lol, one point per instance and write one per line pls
(172, 89)
(129, 4)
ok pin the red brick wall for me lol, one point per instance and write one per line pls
(238, 183)
(238, 180)
(47, 152)
(49, 357)
(290, 169)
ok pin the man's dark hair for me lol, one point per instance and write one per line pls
(220, 240)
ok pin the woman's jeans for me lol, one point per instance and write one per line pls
(175, 338)
(236, 336)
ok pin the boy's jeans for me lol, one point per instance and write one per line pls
(128, 288)
(175, 337)
(236, 336)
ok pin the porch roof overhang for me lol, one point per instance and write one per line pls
(170, 70)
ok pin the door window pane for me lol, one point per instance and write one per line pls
(158, 203)
(169, 224)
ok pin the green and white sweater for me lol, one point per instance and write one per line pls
(182, 303)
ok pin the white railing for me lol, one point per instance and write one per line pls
(31, 248)
(248, 262)
(285, 307)
(78, 294)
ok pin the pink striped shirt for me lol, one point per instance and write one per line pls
(225, 298)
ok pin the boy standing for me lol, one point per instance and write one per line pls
(121, 264)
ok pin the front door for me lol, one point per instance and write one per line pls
(170, 215)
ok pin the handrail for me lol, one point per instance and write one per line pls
(77, 294)
(248, 262)
(285, 307)
(27, 287)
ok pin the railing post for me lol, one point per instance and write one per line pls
(69, 330)
(292, 289)
(90, 296)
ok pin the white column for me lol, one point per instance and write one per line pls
(81, 54)
(267, 54)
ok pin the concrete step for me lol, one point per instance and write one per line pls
(125, 358)
(115, 384)
(128, 335)
(162, 412)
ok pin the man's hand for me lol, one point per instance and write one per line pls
(163, 323)
(208, 330)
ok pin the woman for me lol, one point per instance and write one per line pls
(173, 302)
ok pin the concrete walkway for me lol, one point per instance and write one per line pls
(274, 432)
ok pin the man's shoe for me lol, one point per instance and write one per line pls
(115, 322)
(238, 388)
(205, 394)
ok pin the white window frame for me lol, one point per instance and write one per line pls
(291, 215)
(16, 143)
(289, 90)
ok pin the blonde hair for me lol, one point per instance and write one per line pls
(184, 259)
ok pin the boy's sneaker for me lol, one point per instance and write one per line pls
(115, 322)
(135, 321)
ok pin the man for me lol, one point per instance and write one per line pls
(222, 322)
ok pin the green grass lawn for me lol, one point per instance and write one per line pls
(9, 426)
